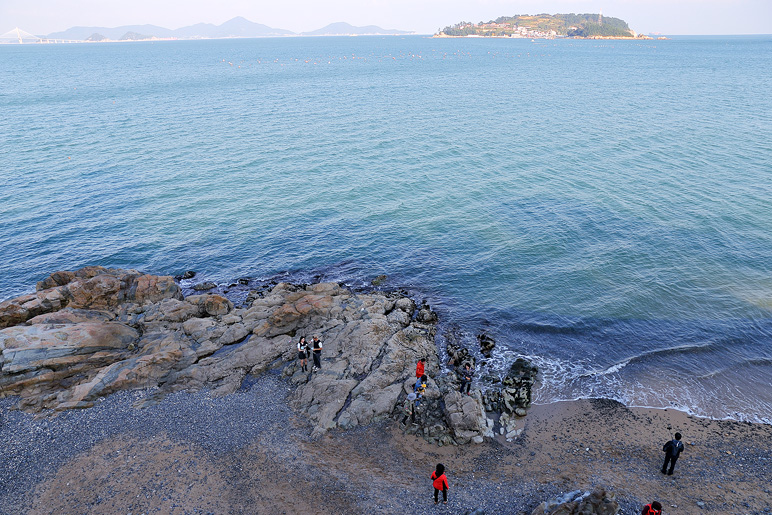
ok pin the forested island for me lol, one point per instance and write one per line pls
(545, 26)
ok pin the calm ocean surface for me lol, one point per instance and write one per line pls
(604, 207)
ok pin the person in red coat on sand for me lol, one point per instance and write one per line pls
(440, 483)
(419, 368)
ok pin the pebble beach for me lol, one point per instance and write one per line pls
(248, 452)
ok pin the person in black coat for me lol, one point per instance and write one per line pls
(673, 450)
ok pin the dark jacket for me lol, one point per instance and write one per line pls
(673, 448)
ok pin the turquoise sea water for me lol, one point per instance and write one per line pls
(604, 207)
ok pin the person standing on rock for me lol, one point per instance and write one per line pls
(303, 352)
(408, 408)
(419, 368)
(440, 482)
(317, 347)
(466, 378)
(654, 508)
(673, 450)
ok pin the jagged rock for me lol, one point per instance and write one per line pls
(426, 315)
(487, 343)
(94, 288)
(405, 304)
(599, 502)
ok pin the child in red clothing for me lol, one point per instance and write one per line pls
(440, 483)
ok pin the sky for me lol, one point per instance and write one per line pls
(671, 17)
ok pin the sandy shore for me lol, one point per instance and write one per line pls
(249, 453)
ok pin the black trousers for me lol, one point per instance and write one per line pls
(465, 384)
(672, 460)
(437, 494)
(318, 359)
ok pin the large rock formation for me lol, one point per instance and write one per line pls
(89, 333)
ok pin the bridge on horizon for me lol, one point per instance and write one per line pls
(19, 37)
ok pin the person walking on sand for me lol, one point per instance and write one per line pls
(673, 450)
(303, 352)
(419, 368)
(654, 508)
(440, 482)
(408, 408)
(466, 378)
(317, 347)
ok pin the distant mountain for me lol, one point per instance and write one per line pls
(82, 33)
(236, 28)
(345, 29)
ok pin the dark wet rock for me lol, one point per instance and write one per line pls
(487, 343)
(379, 280)
(207, 285)
(426, 315)
(458, 354)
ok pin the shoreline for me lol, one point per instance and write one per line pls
(249, 451)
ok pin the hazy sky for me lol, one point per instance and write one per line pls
(423, 16)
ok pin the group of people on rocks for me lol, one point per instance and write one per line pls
(672, 448)
(306, 349)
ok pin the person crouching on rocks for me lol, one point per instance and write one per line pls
(317, 346)
(440, 483)
(419, 389)
(466, 378)
(409, 408)
(303, 352)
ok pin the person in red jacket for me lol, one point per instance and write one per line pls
(440, 483)
(419, 368)
(654, 508)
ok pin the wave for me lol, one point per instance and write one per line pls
(681, 349)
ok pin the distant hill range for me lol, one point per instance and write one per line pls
(345, 29)
(236, 28)
(544, 25)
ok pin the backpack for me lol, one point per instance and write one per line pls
(648, 510)
(673, 447)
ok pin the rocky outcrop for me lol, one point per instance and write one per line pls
(513, 399)
(91, 288)
(599, 502)
(88, 333)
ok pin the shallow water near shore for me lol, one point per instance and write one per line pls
(602, 207)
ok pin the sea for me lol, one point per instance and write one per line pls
(603, 208)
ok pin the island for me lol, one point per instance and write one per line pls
(545, 26)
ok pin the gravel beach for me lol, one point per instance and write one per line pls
(248, 452)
